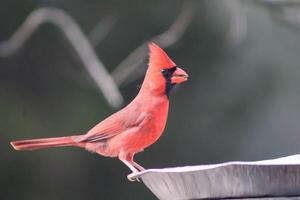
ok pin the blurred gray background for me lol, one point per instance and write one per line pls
(242, 101)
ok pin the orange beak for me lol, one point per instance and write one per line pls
(179, 76)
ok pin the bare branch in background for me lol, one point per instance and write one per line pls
(238, 24)
(77, 39)
(165, 39)
(285, 11)
(282, 2)
(102, 29)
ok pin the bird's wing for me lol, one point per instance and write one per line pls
(114, 125)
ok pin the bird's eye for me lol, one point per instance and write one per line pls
(165, 72)
(169, 71)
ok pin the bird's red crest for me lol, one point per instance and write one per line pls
(159, 58)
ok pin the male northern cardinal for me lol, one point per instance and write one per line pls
(133, 128)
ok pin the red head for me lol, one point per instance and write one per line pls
(162, 73)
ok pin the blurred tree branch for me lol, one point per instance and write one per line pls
(83, 45)
(282, 2)
(77, 39)
(285, 11)
(102, 29)
(165, 39)
(238, 23)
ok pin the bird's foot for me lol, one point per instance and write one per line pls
(131, 177)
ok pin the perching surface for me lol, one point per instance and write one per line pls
(265, 180)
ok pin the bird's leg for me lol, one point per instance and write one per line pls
(130, 165)
(127, 159)
(137, 166)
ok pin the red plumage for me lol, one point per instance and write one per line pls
(133, 128)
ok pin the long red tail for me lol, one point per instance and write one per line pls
(40, 143)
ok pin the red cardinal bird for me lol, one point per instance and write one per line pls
(133, 128)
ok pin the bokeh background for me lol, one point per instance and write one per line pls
(242, 101)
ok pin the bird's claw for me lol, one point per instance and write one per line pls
(131, 177)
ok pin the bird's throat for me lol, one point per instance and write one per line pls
(169, 87)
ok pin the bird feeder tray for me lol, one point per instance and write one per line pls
(268, 179)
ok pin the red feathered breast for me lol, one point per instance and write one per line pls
(152, 120)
